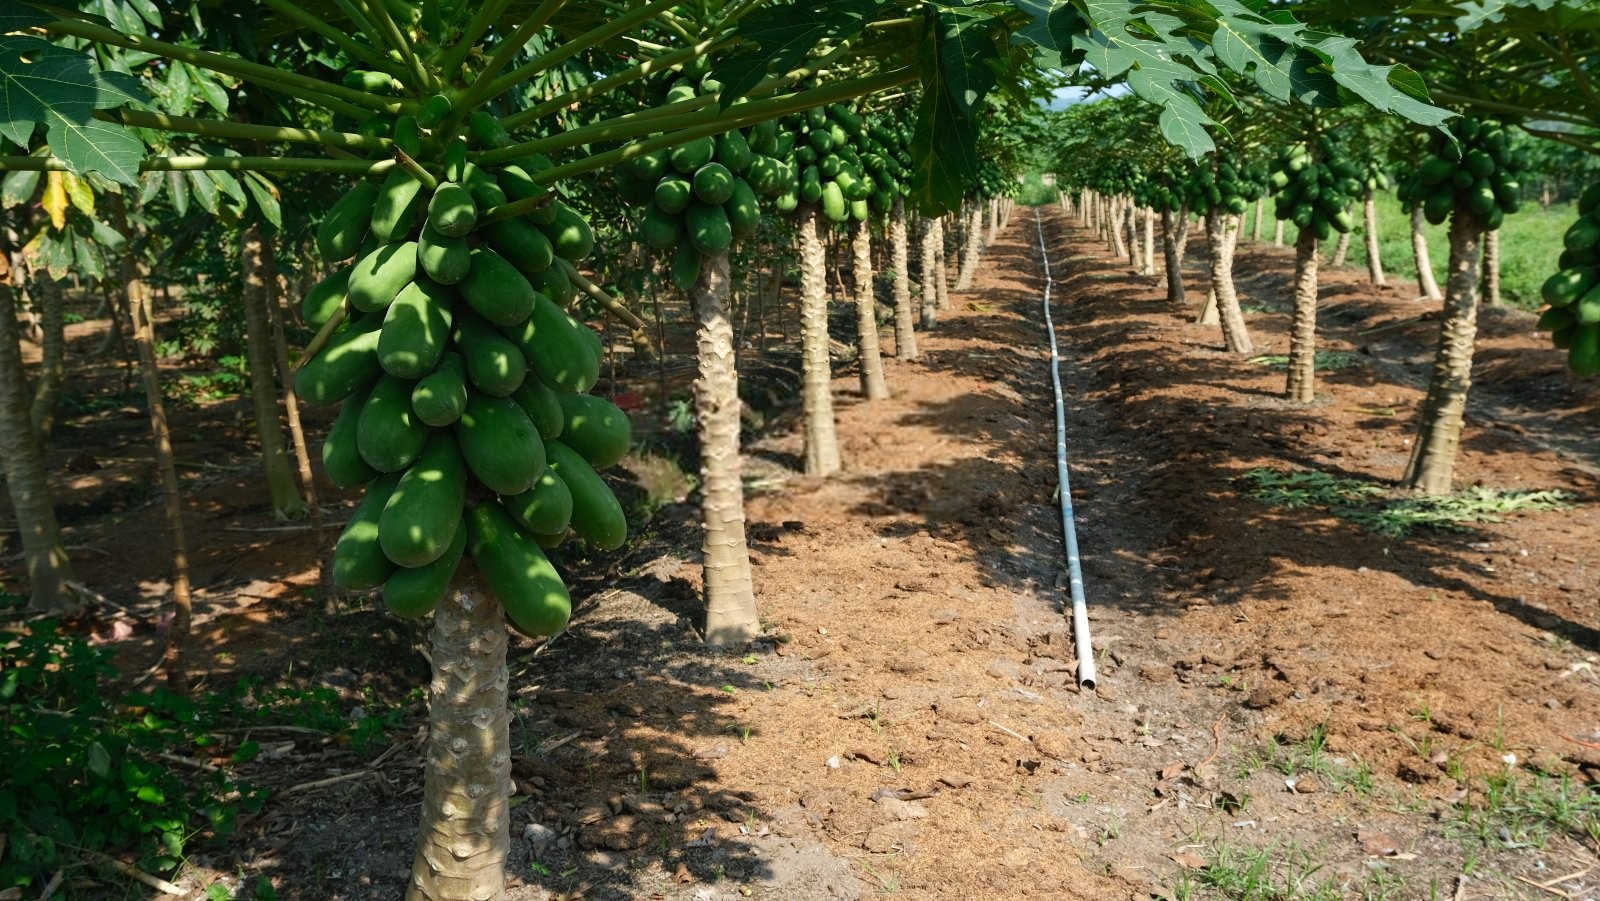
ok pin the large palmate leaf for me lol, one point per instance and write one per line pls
(41, 83)
(958, 59)
(1169, 51)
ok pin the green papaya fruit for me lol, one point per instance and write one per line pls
(557, 347)
(495, 364)
(595, 428)
(420, 518)
(377, 278)
(440, 396)
(500, 444)
(517, 572)
(414, 592)
(496, 289)
(359, 563)
(325, 298)
(445, 260)
(523, 245)
(415, 330)
(388, 435)
(543, 406)
(597, 517)
(340, 232)
(708, 228)
(451, 211)
(341, 459)
(569, 234)
(395, 210)
(348, 363)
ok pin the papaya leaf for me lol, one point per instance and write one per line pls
(960, 53)
(55, 200)
(18, 187)
(41, 83)
(79, 192)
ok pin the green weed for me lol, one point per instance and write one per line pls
(1366, 504)
(1261, 874)
(1520, 811)
(1325, 360)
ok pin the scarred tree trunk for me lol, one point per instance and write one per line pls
(1174, 260)
(872, 383)
(1491, 268)
(822, 443)
(1433, 457)
(144, 337)
(1277, 234)
(974, 246)
(1221, 232)
(928, 289)
(1119, 247)
(994, 221)
(281, 487)
(1419, 249)
(941, 265)
(291, 402)
(1369, 222)
(1303, 333)
(465, 832)
(52, 348)
(905, 335)
(1341, 249)
(731, 615)
(1149, 246)
(48, 567)
(1255, 225)
(1131, 225)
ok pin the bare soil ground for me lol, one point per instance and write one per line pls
(1280, 690)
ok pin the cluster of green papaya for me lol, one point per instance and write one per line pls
(702, 195)
(1477, 173)
(994, 181)
(1373, 174)
(1231, 186)
(462, 382)
(1573, 293)
(847, 166)
(1315, 189)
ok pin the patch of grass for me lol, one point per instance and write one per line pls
(1035, 192)
(1326, 360)
(1258, 874)
(1365, 503)
(1309, 756)
(1523, 811)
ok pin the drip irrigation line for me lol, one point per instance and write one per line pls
(1080, 606)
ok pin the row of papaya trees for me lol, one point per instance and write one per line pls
(455, 192)
(1321, 171)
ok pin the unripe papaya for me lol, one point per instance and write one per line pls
(341, 459)
(595, 428)
(451, 211)
(517, 572)
(446, 260)
(340, 232)
(500, 444)
(324, 298)
(495, 364)
(543, 406)
(496, 290)
(414, 591)
(569, 234)
(415, 330)
(440, 397)
(555, 345)
(544, 509)
(420, 518)
(524, 246)
(596, 515)
(348, 363)
(358, 559)
(378, 277)
(395, 210)
(388, 434)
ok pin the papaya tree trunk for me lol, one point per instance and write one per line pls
(822, 442)
(873, 386)
(1221, 232)
(1491, 271)
(1303, 333)
(291, 401)
(1433, 456)
(465, 833)
(45, 559)
(1149, 246)
(1130, 221)
(1419, 250)
(281, 487)
(1341, 249)
(1255, 225)
(941, 266)
(1369, 224)
(731, 616)
(144, 338)
(974, 246)
(1277, 234)
(905, 335)
(1174, 260)
(928, 289)
(994, 221)
(52, 348)
(1119, 247)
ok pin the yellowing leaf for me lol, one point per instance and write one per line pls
(79, 192)
(55, 199)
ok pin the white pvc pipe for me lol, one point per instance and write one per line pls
(1080, 607)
